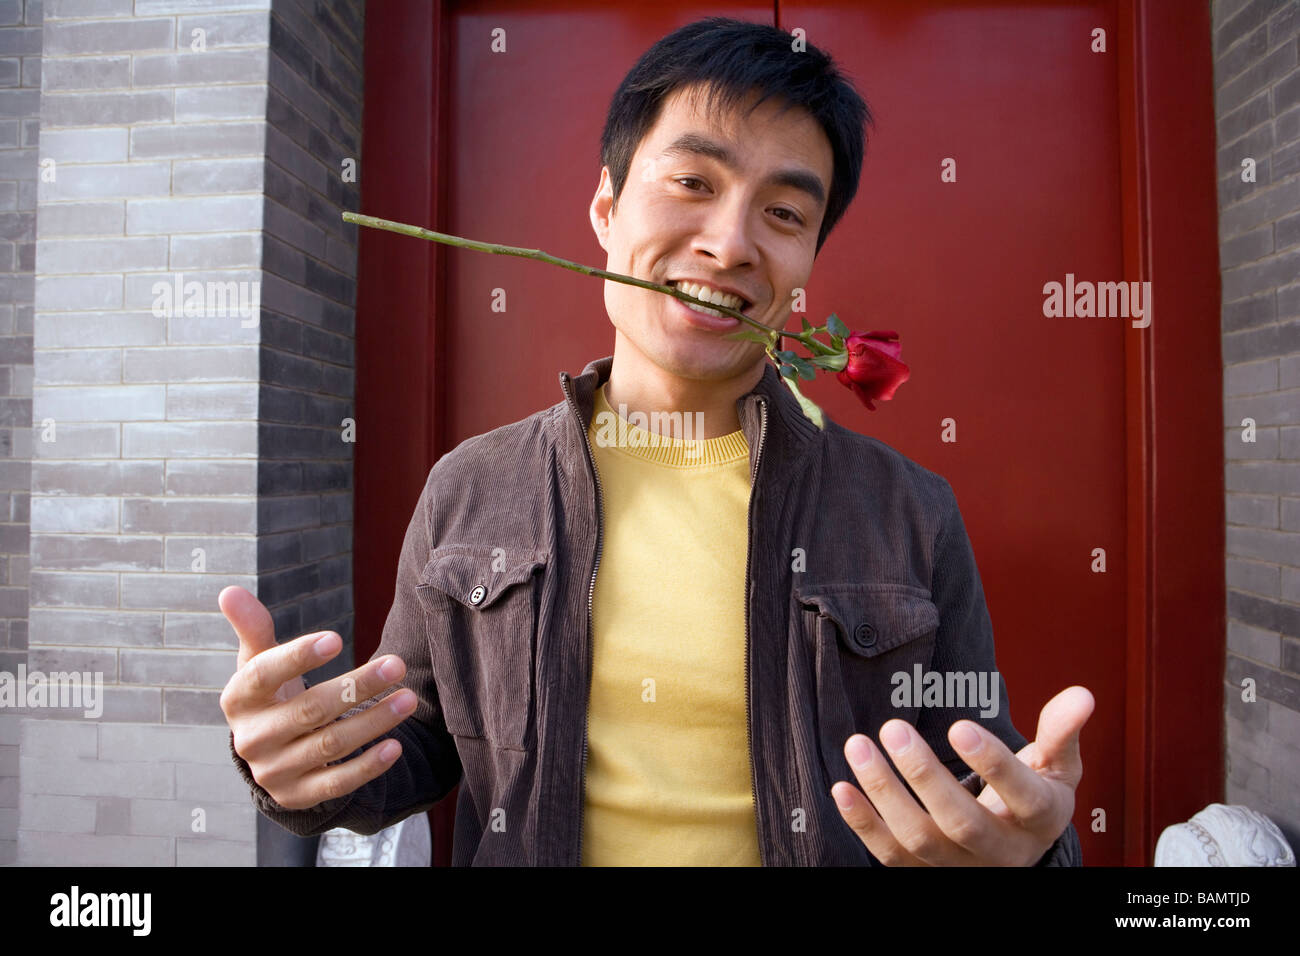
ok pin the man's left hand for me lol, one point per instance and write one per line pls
(1026, 804)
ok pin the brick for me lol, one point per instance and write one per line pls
(198, 707)
(101, 662)
(1274, 408)
(1291, 514)
(59, 738)
(107, 109)
(67, 849)
(1263, 206)
(219, 783)
(1254, 576)
(1255, 643)
(1261, 74)
(96, 478)
(104, 254)
(1246, 248)
(165, 7)
(69, 589)
(100, 403)
(74, 9)
(188, 515)
(87, 73)
(173, 364)
(218, 176)
(201, 852)
(53, 813)
(196, 139)
(99, 552)
(225, 102)
(209, 631)
(55, 293)
(1251, 378)
(106, 180)
(124, 36)
(223, 554)
(180, 745)
(114, 628)
(104, 329)
(229, 250)
(97, 778)
(235, 29)
(206, 214)
(211, 477)
(81, 219)
(1276, 546)
(1263, 448)
(77, 441)
(65, 513)
(193, 69)
(1267, 273)
(81, 366)
(190, 440)
(180, 668)
(1259, 511)
(1236, 26)
(175, 818)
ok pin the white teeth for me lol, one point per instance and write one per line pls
(709, 295)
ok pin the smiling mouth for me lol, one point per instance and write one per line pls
(738, 303)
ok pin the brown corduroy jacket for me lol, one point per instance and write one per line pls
(859, 569)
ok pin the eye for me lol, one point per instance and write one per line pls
(794, 216)
(690, 179)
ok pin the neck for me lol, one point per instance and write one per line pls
(642, 386)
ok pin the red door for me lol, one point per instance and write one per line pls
(1054, 455)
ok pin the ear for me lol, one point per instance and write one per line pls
(602, 205)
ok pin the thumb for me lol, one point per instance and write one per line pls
(250, 619)
(1056, 743)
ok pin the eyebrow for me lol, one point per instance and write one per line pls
(796, 177)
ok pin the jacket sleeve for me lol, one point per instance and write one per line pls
(429, 765)
(964, 642)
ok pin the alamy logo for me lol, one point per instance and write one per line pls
(650, 430)
(56, 689)
(102, 909)
(195, 299)
(949, 689)
(1101, 300)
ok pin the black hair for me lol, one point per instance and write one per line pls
(730, 60)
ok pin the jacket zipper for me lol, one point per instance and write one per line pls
(591, 591)
(749, 551)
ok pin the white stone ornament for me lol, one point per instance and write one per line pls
(405, 843)
(1222, 835)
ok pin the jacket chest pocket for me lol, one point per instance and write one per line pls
(482, 604)
(859, 636)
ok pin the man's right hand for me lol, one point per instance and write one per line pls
(287, 733)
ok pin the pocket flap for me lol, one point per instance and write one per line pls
(476, 576)
(872, 618)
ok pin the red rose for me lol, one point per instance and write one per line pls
(874, 369)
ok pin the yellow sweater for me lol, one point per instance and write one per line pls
(668, 772)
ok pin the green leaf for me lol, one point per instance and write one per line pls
(804, 368)
(785, 355)
(788, 371)
(836, 327)
(806, 324)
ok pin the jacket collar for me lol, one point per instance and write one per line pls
(789, 432)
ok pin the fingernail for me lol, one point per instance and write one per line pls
(896, 737)
(404, 704)
(859, 752)
(968, 741)
(389, 750)
(326, 645)
(842, 799)
(390, 669)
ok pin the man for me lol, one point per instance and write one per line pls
(639, 648)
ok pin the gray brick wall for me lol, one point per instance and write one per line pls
(1257, 106)
(20, 83)
(176, 454)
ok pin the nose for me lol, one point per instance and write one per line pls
(727, 235)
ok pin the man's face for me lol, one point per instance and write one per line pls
(724, 200)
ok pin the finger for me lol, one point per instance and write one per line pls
(961, 818)
(342, 779)
(914, 829)
(862, 817)
(340, 738)
(1057, 739)
(1032, 800)
(321, 704)
(250, 619)
(256, 682)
